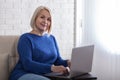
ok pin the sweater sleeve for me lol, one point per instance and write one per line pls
(25, 53)
(59, 60)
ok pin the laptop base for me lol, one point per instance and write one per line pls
(64, 76)
(86, 76)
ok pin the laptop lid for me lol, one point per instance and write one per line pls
(81, 59)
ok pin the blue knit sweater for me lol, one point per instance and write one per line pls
(36, 55)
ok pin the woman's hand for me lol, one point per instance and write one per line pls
(60, 69)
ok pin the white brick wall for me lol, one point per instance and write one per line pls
(15, 16)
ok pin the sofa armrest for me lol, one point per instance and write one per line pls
(4, 66)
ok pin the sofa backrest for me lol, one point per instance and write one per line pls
(8, 55)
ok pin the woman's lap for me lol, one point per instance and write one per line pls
(33, 77)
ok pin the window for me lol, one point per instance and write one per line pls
(108, 25)
(78, 21)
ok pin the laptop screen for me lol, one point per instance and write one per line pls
(81, 59)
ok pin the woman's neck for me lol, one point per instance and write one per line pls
(40, 33)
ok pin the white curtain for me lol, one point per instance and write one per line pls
(101, 26)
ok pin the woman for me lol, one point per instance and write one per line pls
(38, 50)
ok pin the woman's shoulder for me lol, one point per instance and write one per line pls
(50, 35)
(24, 35)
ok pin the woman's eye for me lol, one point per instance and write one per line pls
(42, 17)
(49, 19)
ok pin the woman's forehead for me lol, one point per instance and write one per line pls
(44, 12)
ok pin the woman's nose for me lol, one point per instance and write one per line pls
(45, 20)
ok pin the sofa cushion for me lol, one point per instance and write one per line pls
(4, 66)
(12, 62)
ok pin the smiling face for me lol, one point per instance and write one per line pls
(43, 21)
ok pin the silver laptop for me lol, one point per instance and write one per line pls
(81, 62)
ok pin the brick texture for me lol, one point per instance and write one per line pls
(15, 16)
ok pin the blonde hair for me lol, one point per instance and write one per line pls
(35, 15)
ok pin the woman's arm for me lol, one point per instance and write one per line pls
(59, 60)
